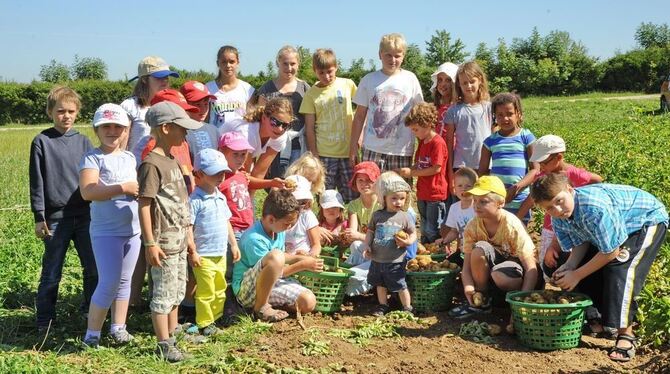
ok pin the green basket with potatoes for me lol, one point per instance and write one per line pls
(548, 327)
(431, 291)
(328, 286)
(331, 251)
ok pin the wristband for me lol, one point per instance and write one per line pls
(150, 244)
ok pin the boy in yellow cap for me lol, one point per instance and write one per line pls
(498, 250)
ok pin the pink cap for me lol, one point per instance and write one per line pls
(235, 141)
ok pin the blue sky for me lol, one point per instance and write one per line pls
(122, 32)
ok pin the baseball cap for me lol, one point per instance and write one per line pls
(111, 113)
(154, 66)
(303, 190)
(195, 91)
(448, 68)
(487, 184)
(546, 146)
(210, 161)
(331, 199)
(235, 141)
(368, 168)
(169, 112)
(174, 96)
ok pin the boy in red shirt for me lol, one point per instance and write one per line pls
(430, 166)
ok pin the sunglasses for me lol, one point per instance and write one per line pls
(277, 123)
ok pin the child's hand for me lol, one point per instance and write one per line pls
(402, 241)
(511, 193)
(404, 172)
(314, 264)
(551, 256)
(194, 260)
(567, 280)
(42, 230)
(154, 254)
(235, 252)
(130, 188)
(469, 290)
(326, 235)
(277, 183)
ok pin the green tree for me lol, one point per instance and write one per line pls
(305, 71)
(414, 60)
(88, 68)
(649, 35)
(441, 49)
(54, 72)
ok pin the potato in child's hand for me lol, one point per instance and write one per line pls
(477, 299)
(290, 184)
(401, 235)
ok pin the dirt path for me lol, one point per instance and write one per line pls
(635, 97)
(434, 347)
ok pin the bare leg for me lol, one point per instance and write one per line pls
(306, 302)
(405, 298)
(382, 295)
(479, 268)
(506, 283)
(625, 344)
(161, 329)
(172, 318)
(272, 267)
(119, 312)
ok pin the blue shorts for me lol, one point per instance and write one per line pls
(390, 276)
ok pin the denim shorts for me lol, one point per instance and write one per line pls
(388, 275)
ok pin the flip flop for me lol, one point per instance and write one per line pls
(626, 353)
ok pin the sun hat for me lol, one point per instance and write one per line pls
(368, 168)
(235, 141)
(487, 184)
(154, 66)
(111, 113)
(169, 112)
(195, 91)
(390, 182)
(174, 96)
(546, 146)
(448, 68)
(303, 189)
(331, 199)
(210, 162)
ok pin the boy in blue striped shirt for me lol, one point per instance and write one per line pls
(614, 233)
(212, 233)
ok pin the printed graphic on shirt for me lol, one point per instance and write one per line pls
(221, 108)
(423, 162)
(385, 233)
(334, 119)
(387, 107)
(240, 195)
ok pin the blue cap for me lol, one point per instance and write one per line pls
(211, 162)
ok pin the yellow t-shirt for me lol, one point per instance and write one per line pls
(511, 239)
(334, 114)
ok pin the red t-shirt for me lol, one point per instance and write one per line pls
(236, 190)
(434, 152)
(578, 177)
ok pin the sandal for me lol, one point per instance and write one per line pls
(267, 314)
(606, 332)
(380, 310)
(466, 310)
(626, 353)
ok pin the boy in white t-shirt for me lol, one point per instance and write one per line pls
(460, 213)
(385, 97)
(304, 237)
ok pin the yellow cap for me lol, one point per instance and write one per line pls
(488, 184)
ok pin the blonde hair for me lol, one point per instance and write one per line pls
(472, 70)
(286, 50)
(497, 198)
(324, 59)
(393, 42)
(309, 162)
(275, 105)
(422, 114)
(62, 93)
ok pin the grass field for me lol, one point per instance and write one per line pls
(624, 141)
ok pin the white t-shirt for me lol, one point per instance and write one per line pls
(138, 127)
(229, 106)
(458, 218)
(251, 132)
(388, 99)
(296, 236)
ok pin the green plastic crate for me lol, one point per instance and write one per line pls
(328, 287)
(548, 327)
(431, 291)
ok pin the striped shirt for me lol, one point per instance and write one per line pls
(509, 161)
(606, 214)
(210, 216)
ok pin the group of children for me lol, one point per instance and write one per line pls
(473, 166)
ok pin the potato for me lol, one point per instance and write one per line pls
(453, 266)
(478, 299)
(563, 300)
(510, 329)
(401, 235)
(494, 329)
(412, 262)
(290, 184)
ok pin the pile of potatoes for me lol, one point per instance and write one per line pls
(429, 249)
(549, 297)
(425, 263)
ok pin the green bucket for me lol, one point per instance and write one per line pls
(431, 291)
(548, 327)
(328, 286)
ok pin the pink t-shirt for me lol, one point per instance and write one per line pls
(578, 177)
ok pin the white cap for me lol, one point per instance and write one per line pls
(547, 146)
(448, 68)
(331, 199)
(303, 190)
(111, 113)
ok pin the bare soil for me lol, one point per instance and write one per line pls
(433, 346)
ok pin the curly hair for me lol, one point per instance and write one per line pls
(280, 203)
(422, 114)
(508, 98)
(274, 106)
